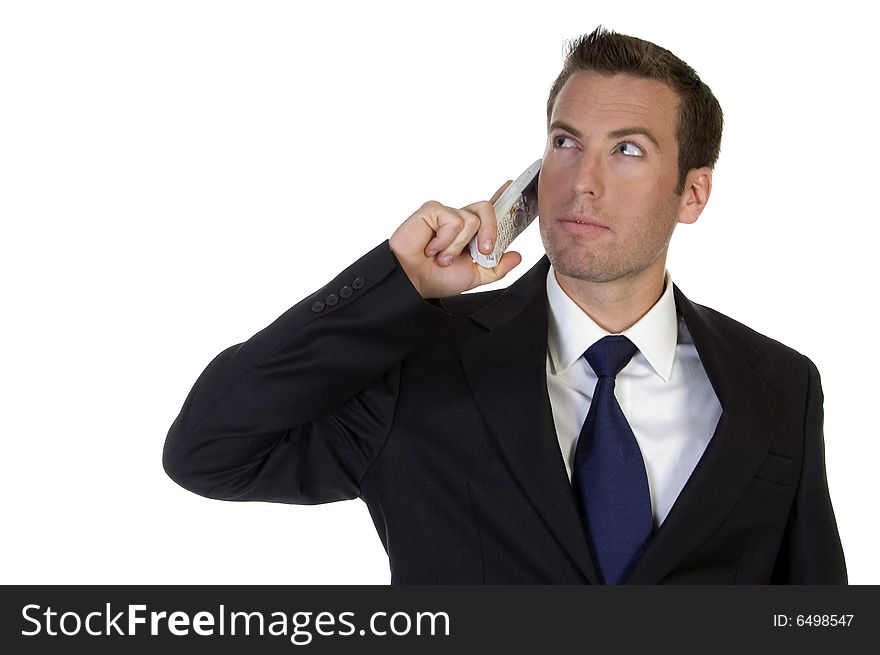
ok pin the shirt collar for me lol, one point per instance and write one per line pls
(572, 331)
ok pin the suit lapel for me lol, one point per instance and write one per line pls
(734, 454)
(506, 369)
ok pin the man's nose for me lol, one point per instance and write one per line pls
(589, 175)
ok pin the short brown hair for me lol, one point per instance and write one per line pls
(699, 116)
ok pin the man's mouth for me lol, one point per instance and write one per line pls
(582, 219)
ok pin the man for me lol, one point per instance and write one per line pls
(588, 424)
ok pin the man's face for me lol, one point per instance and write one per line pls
(606, 193)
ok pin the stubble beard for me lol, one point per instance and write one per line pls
(619, 259)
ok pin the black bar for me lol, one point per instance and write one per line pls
(517, 618)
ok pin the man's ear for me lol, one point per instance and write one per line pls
(697, 188)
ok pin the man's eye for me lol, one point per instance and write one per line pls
(560, 141)
(629, 149)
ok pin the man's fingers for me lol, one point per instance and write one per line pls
(501, 190)
(508, 261)
(488, 222)
(488, 225)
(470, 223)
(432, 247)
(454, 228)
(444, 236)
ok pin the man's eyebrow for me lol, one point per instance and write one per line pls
(616, 134)
(629, 131)
(565, 126)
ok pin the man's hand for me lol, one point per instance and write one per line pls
(432, 247)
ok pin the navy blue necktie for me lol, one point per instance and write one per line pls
(609, 473)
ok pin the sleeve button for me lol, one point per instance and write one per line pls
(358, 283)
(345, 291)
(332, 299)
(318, 306)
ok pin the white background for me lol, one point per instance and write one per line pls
(176, 174)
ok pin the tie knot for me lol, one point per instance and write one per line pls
(609, 355)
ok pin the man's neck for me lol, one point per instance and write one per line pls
(617, 305)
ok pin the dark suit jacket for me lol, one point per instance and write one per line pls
(436, 414)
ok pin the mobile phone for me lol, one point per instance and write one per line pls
(514, 210)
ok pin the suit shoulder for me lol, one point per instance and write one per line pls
(769, 347)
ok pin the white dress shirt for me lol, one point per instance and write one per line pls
(663, 391)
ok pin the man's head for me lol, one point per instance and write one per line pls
(699, 119)
(633, 135)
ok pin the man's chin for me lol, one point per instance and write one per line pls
(585, 271)
(592, 276)
(584, 266)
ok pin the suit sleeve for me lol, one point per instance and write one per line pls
(811, 549)
(298, 412)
